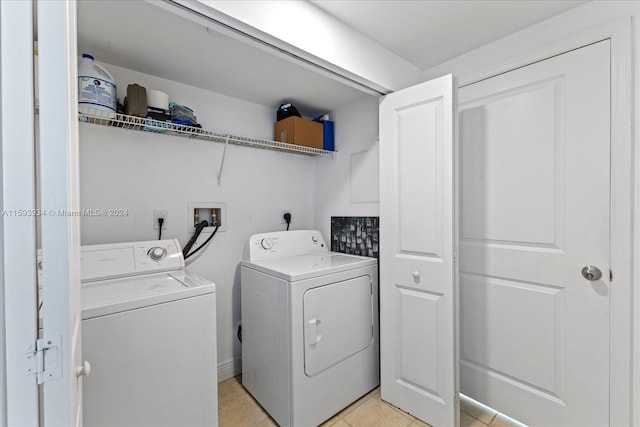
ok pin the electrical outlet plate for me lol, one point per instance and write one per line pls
(159, 214)
(282, 221)
(212, 212)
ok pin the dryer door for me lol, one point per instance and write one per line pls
(338, 322)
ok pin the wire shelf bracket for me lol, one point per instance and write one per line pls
(224, 154)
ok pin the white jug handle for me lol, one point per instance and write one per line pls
(104, 71)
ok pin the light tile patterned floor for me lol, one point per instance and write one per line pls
(236, 408)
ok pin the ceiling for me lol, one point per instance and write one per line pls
(429, 32)
(146, 38)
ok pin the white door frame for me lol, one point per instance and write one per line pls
(18, 289)
(622, 199)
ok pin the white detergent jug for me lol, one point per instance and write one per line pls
(96, 89)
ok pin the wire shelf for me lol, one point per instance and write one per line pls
(167, 128)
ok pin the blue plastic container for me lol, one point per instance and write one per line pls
(328, 135)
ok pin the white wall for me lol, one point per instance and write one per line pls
(143, 172)
(348, 185)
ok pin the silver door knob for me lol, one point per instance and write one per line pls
(591, 273)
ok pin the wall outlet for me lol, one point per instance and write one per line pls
(159, 214)
(282, 221)
(213, 213)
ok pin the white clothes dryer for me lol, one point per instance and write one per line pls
(149, 333)
(309, 326)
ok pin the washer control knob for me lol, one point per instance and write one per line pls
(157, 253)
(266, 243)
(314, 239)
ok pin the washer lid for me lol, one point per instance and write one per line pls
(112, 296)
(307, 266)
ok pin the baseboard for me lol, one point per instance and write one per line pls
(229, 368)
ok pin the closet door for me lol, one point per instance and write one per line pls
(417, 298)
(534, 244)
(59, 195)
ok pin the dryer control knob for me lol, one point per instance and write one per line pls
(266, 243)
(314, 239)
(157, 253)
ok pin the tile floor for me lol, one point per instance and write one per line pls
(236, 408)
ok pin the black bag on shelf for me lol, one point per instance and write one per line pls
(286, 110)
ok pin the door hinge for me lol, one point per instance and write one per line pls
(43, 359)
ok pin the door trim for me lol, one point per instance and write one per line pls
(18, 288)
(623, 389)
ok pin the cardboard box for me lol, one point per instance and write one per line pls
(299, 131)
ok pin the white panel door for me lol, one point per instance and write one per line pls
(59, 188)
(417, 298)
(535, 180)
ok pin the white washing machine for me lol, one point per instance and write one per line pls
(309, 326)
(149, 333)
